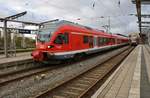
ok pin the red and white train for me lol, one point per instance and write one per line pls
(63, 39)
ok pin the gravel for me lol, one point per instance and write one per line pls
(34, 85)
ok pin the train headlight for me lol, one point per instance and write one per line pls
(50, 46)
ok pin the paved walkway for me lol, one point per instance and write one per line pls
(131, 79)
(145, 74)
(18, 57)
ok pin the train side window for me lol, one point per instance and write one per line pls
(62, 38)
(85, 39)
(101, 41)
(104, 40)
(108, 39)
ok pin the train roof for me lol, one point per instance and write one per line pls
(58, 23)
(75, 26)
(63, 24)
(120, 37)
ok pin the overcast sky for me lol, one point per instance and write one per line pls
(81, 11)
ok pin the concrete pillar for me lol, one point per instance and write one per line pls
(1, 33)
(5, 39)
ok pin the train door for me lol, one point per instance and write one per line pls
(91, 41)
(62, 41)
(95, 41)
(66, 41)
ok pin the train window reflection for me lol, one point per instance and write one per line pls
(62, 38)
(44, 35)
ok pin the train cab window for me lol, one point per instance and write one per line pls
(85, 39)
(59, 39)
(62, 39)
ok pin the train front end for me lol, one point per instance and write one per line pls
(42, 52)
(44, 48)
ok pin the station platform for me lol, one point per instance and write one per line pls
(19, 57)
(131, 79)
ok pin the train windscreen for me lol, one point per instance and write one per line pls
(44, 35)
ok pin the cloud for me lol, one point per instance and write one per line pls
(43, 10)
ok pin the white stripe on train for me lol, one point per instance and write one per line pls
(88, 51)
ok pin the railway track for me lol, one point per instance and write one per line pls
(13, 72)
(18, 75)
(84, 85)
(16, 63)
(28, 69)
(27, 72)
(13, 78)
(16, 68)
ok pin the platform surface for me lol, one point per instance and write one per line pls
(18, 57)
(131, 79)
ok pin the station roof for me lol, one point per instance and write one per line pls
(138, 7)
(142, 1)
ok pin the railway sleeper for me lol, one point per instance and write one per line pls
(99, 71)
(80, 85)
(72, 92)
(56, 96)
(89, 78)
(76, 88)
(63, 95)
(66, 93)
(84, 81)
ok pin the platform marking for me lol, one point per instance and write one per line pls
(135, 91)
(147, 60)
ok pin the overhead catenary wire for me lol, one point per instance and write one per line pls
(112, 12)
